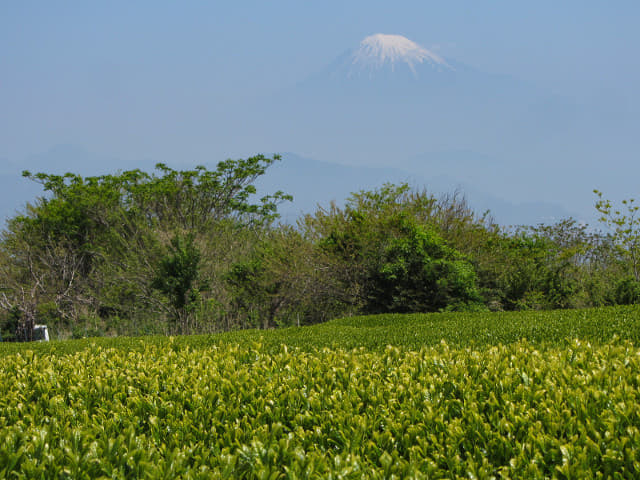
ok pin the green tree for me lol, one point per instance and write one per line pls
(94, 246)
(625, 225)
(283, 281)
(177, 277)
(390, 254)
(416, 271)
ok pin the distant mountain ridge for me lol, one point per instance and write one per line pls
(315, 183)
(312, 183)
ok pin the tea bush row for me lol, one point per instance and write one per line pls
(404, 331)
(240, 411)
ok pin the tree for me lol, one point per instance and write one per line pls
(33, 273)
(284, 281)
(392, 256)
(83, 208)
(177, 277)
(416, 271)
(124, 244)
(625, 226)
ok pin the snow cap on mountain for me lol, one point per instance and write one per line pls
(381, 49)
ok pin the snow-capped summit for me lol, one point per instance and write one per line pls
(392, 59)
(381, 49)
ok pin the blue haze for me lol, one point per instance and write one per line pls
(95, 86)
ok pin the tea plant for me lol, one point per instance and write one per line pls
(249, 411)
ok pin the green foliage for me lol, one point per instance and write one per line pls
(417, 272)
(178, 270)
(627, 291)
(177, 275)
(114, 245)
(407, 331)
(626, 229)
(257, 407)
(393, 258)
(563, 265)
(280, 283)
(530, 277)
(9, 326)
(582, 264)
(198, 251)
(172, 199)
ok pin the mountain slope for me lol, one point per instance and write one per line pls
(315, 183)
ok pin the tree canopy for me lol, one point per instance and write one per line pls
(200, 250)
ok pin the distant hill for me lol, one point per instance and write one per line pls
(316, 183)
(311, 182)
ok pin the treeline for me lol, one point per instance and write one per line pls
(199, 251)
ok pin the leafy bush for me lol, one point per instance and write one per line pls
(393, 259)
(627, 292)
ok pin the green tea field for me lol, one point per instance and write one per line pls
(525, 395)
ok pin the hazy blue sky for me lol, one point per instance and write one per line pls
(155, 79)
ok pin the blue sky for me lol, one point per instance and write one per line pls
(76, 71)
(158, 79)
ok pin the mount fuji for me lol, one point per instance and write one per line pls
(392, 102)
(390, 96)
(382, 53)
